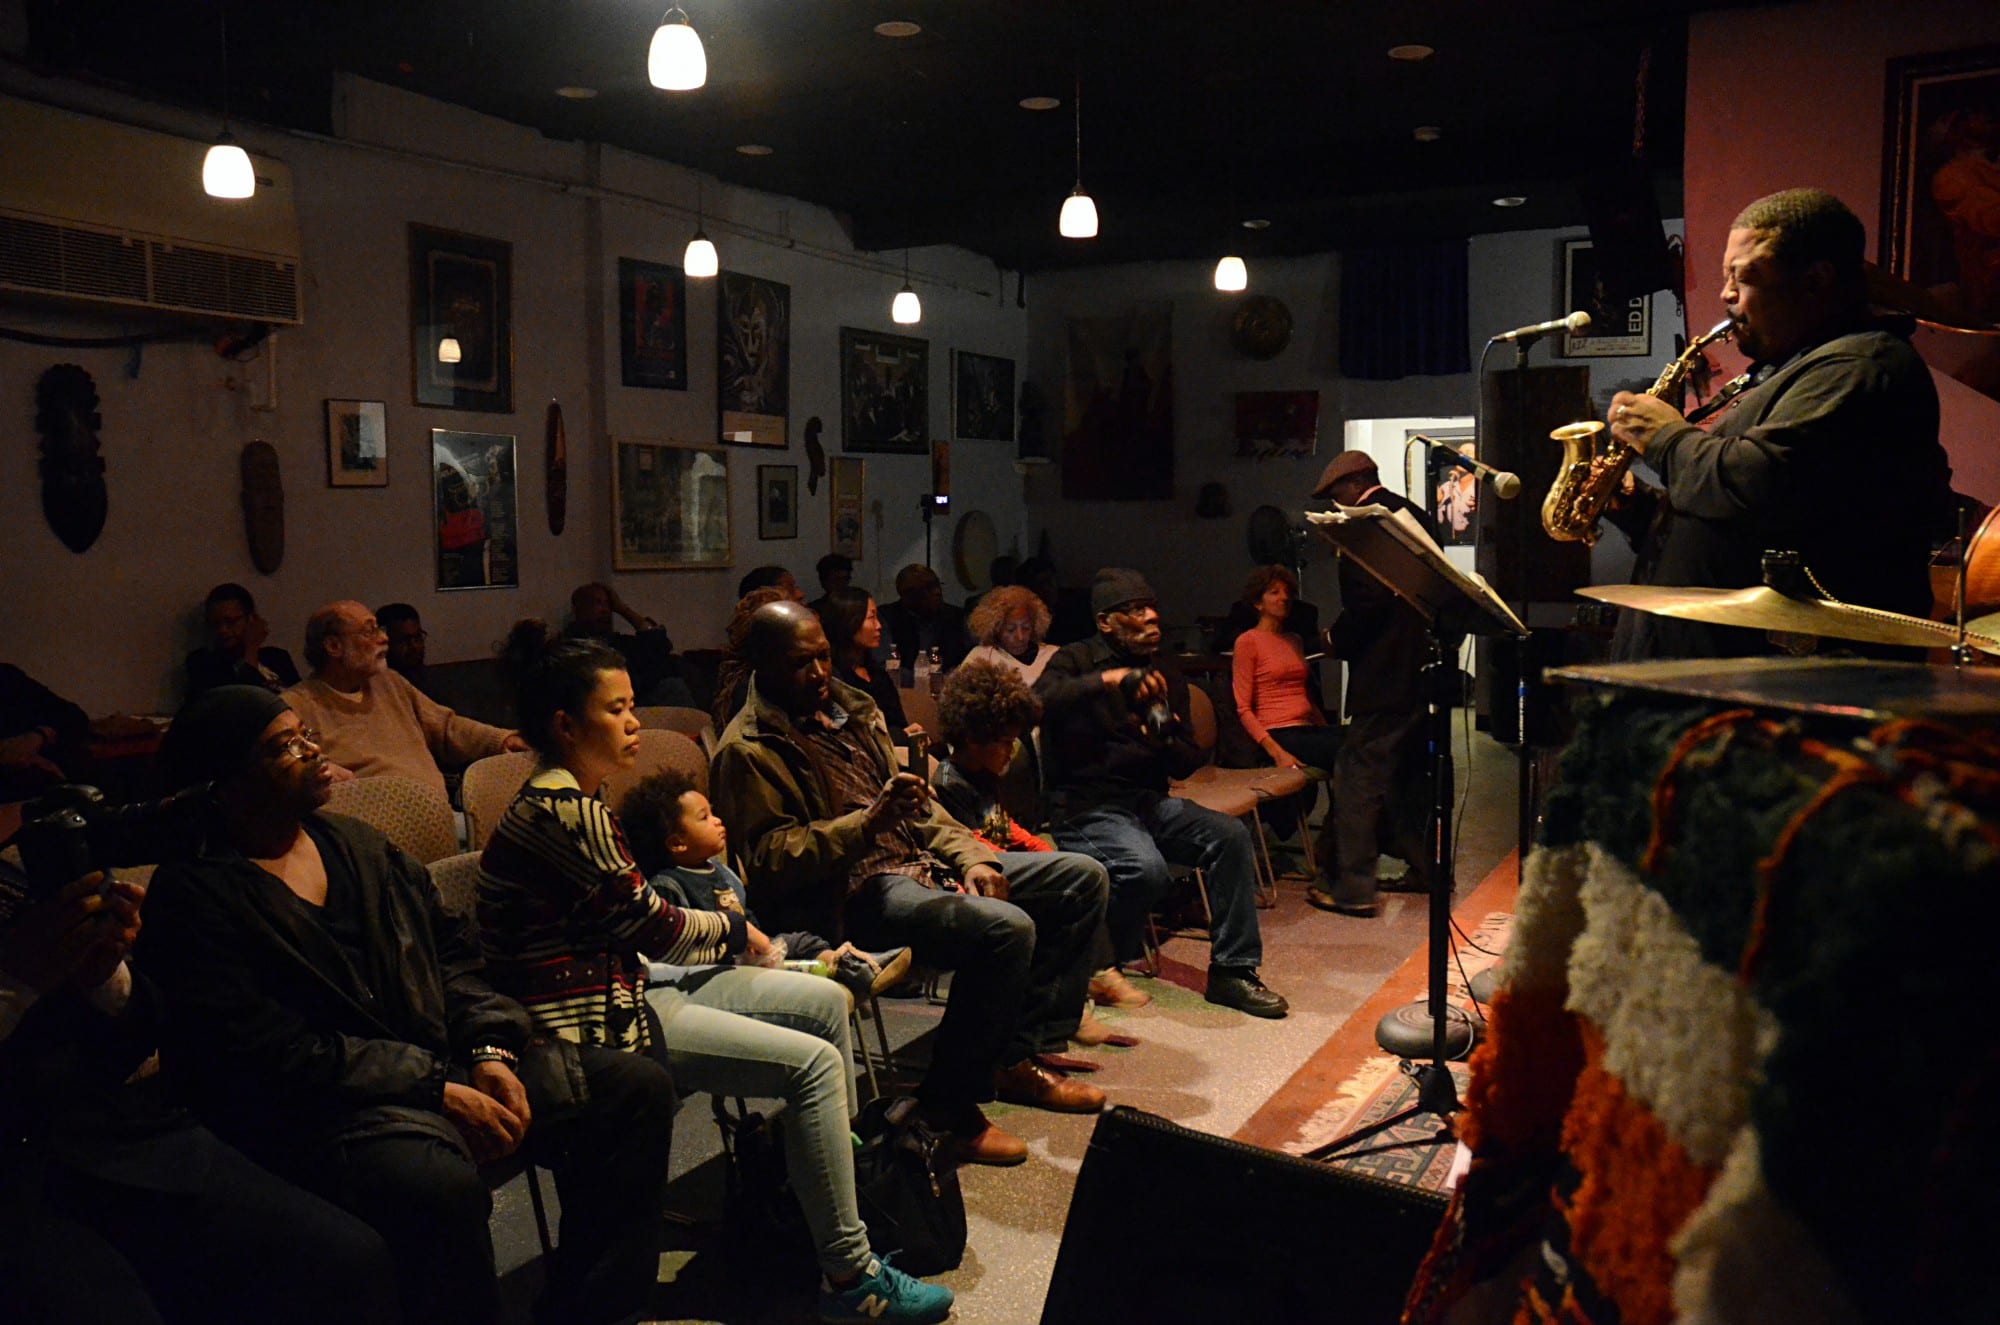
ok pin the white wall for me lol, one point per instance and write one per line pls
(108, 627)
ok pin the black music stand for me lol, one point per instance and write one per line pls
(1394, 549)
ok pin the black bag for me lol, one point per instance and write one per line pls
(763, 1213)
(908, 1191)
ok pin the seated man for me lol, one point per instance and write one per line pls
(408, 642)
(236, 652)
(332, 1021)
(370, 721)
(44, 738)
(835, 571)
(836, 841)
(770, 577)
(648, 652)
(920, 619)
(1114, 732)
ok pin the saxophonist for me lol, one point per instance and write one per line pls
(1830, 450)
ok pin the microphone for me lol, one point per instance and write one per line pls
(1506, 486)
(1576, 321)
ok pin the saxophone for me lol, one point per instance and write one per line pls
(1577, 498)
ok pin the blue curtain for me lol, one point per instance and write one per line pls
(1403, 311)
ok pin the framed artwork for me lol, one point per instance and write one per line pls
(1454, 491)
(1277, 423)
(845, 492)
(357, 444)
(753, 359)
(1619, 328)
(982, 397)
(475, 534)
(777, 501)
(885, 402)
(669, 506)
(652, 325)
(1940, 182)
(1118, 407)
(461, 320)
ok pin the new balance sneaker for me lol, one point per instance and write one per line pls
(884, 1295)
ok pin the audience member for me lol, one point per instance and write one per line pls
(838, 842)
(44, 739)
(408, 641)
(854, 630)
(1010, 624)
(835, 571)
(732, 678)
(1270, 679)
(236, 653)
(1000, 572)
(648, 651)
(1114, 732)
(921, 620)
(769, 577)
(334, 1022)
(370, 721)
(1070, 615)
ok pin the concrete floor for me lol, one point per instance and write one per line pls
(1202, 1066)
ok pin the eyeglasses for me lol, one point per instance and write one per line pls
(370, 628)
(300, 744)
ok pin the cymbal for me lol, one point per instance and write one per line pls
(1763, 608)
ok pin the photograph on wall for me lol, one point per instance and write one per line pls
(461, 320)
(1118, 407)
(982, 397)
(357, 444)
(476, 534)
(777, 501)
(845, 492)
(885, 402)
(1941, 180)
(1619, 328)
(652, 325)
(1277, 423)
(1454, 491)
(753, 359)
(669, 506)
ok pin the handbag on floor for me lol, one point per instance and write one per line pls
(908, 1191)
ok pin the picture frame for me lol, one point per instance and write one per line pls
(1941, 127)
(669, 506)
(652, 325)
(884, 393)
(475, 525)
(1454, 492)
(846, 505)
(777, 501)
(753, 360)
(982, 397)
(1277, 423)
(1619, 328)
(357, 444)
(461, 290)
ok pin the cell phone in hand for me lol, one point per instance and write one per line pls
(920, 761)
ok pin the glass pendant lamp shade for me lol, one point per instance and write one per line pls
(675, 61)
(1231, 274)
(226, 171)
(907, 309)
(1079, 217)
(700, 260)
(448, 351)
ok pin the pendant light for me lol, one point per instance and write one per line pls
(675, 61)
(1079, 213)
(1231, 275)
(906, 309)
(226, 171)
(700, 260)
(448, 350)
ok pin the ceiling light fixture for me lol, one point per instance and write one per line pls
(1427, 133)
(1511, 200)
(1040, 103)
(700, 260)
(576, 93)
(1231, 275)
(906, 309)
(448, 351)
(675, 61)
(898, 27)
(1412, 52)
(226, 171)
(752, 149)
(1256, 223)
(1079, 213)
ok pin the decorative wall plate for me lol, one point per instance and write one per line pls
(1262, 326)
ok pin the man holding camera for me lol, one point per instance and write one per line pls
(1114, 733)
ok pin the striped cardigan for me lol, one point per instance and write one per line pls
(565, 916)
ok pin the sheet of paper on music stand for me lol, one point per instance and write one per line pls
(1395, 549)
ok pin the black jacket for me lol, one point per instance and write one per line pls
(208, 668)
(1382, 639)
(902, 628)
(1093, 748)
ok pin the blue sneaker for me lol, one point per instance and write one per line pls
(884, 1295)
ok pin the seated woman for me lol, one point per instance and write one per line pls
(855, 632)
(566, 914)
(1269, 675)
(1010, 624)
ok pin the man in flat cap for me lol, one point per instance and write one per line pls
(1379, 796)
(1115, 730)
(332, 1021)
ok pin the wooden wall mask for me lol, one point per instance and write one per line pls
(75, 500)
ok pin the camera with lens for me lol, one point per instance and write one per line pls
(1157, 718)
(70, 831)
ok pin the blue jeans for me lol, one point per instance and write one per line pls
(1135, 846)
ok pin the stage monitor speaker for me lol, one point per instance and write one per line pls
(1627, 238)
(1169, 1225)
(1516, 555)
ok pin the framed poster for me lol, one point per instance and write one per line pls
(1277, 423)
(1118, 407)
(669, 506)
(885, 402)
(1619, 328)
(461, 320)
(1940, 179)
(753, 359)
(777, 501)
(652, 325)
(357, 444)
(982, 397)
(845, 492)
(475, 535)
(1454, 491)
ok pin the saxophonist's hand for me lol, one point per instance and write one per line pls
(1636, 419)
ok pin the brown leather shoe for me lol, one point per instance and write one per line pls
(1028, 1082)
(973, 1140)
(1110, 989)
(1091, 1032)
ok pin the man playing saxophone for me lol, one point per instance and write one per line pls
(1831, 450)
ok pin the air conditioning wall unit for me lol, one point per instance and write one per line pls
(108, 214)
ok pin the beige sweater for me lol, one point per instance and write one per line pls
(391, 728)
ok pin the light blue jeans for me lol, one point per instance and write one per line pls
(744, 1030)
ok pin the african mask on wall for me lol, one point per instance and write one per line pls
(74, 498)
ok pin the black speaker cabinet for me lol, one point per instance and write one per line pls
(1517, 557)
(1170, 1225)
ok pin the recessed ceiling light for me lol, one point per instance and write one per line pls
(1256, 223)
(1511, 200)
(1427, 133)
(753, 149)
(1411, 51)
(576, 93)
(1040, 103)
(898, 27)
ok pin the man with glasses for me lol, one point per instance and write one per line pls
(372, 721)
(408, 641)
